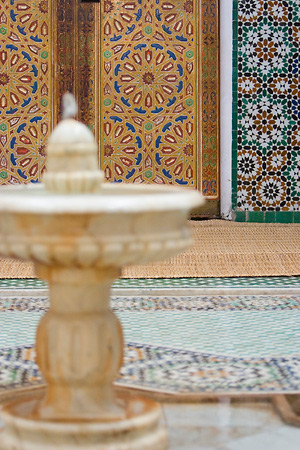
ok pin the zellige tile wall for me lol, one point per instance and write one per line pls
(266, 110)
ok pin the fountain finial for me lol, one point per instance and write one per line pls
(69, 106)
(72, 155)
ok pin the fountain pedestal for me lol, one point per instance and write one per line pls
(79, 347)
(80, 233)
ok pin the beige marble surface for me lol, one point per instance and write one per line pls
(226, 426)
(141, 428)
(223, 426)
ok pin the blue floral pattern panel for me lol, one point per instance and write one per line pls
(268, 127)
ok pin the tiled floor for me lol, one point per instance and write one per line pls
(184, 343)
(249, 327)
(227, 333)
(227, 325)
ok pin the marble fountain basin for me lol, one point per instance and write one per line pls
(79, 242)
(120, 224)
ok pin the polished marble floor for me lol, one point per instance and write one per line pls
(227, 426)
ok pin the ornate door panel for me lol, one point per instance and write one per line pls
(150, 67)
(148, 92)
(158, 93)
(145, 73)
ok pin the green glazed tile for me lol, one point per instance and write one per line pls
(296, 217)
(270, 216)
(240, 216)
(256, 216)
(284, 217)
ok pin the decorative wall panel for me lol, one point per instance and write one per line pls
(64, 60)
(76, 53)
(149, 75)
(175, 141)
(25, 89)
(267, 155)
(151, 94)
(88, 49)
(208, 94)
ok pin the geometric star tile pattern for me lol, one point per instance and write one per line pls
(179, 371)
(268, 109)
(25, 89)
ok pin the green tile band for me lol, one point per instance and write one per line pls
(156, 283)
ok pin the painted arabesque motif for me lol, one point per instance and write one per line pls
(25, 89)
(66, 36)
(148, 79)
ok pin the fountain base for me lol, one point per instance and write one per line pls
(141, 429)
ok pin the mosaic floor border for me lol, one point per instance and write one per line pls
(171, 283)
(210, 303)
(166, 370)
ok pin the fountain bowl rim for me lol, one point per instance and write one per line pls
(112, 198)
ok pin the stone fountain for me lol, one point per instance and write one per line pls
(79, 232)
